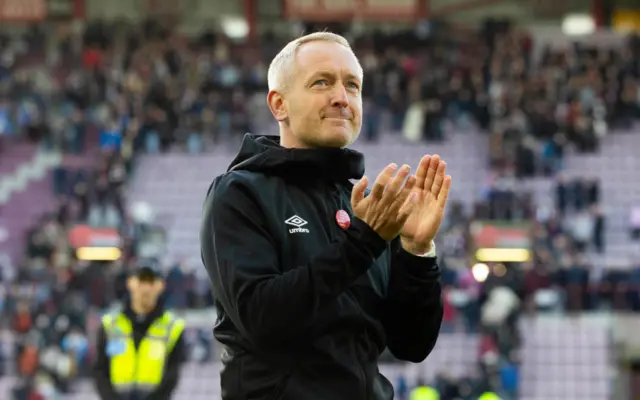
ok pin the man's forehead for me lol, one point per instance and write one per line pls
(323, 56)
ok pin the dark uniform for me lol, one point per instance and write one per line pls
(307, 295)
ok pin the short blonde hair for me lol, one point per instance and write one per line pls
(282, 65)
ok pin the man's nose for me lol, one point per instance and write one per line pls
(340, 97)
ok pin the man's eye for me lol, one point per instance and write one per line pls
(321, 82)
(354, 85)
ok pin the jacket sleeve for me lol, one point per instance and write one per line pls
(413, 309)
(101, 369)
(171, 372)
(264, 302)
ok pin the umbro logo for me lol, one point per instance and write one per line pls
(298, 223)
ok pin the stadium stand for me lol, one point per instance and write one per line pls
(557, 348)
(172, 184)
(130, 141)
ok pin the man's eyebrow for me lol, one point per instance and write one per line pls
(353, 77)
(323, 74)
(327, 74)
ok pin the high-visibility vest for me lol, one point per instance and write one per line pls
(424, 393)
(489, 396)
(139, 370)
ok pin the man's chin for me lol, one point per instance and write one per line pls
(337, 138)
(148, 303)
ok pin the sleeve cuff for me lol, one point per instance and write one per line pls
(431, 253)
(369, 238)
(425, 265)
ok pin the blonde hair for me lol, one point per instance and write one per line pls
(282, 65)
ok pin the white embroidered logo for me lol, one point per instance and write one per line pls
(298, 223)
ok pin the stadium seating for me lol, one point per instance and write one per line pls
(559, 358)
(174, 185)
(25, 191)
(566, 358)
(26, 173)
(22, 211)
(617, 167)
(14, 154)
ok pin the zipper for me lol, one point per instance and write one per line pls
(332, 206)
(361, 365)
(336, 195)
(338, 199)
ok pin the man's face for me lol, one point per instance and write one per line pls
(322, 102)
(145, 289)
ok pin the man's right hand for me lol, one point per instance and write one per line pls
(390, 202)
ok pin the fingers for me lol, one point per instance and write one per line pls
(421, 173)
(396, 183)
(439, 178)
(431, 172)
(357, 193)
(407, 192)
(443, 195)
(408, 206)
(382, 180)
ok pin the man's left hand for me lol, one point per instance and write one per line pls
(432, 187)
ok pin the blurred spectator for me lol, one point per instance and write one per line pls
(130, 90)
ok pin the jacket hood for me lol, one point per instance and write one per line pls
(264, 154)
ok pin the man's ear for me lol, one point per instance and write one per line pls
(275, 100)
(131, 281)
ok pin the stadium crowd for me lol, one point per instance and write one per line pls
(146, 90)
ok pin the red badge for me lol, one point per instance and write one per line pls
(343, 219)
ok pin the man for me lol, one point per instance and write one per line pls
(312, 277)
(140, 349)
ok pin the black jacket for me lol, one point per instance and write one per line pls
(101, 370)
(305, 307)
